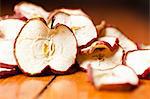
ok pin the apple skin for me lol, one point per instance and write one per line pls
(47, 70)
(145, 74)
(13, 70)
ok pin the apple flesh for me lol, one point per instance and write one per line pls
(118, 78)
(82, 27)
(30, 10)
(9, 29)
(139, 61)
(101, 59)
(38, 46)
(124, 41)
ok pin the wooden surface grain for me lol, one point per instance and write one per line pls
(77, 86)
(22, 87)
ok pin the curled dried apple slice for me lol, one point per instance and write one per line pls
(139, 61)
(83, 28)
(38, 46)
(124, 41)
(107, 45)
(118, 78)
(30, 10)
(100, 60)
(8, 70)
(9, 29)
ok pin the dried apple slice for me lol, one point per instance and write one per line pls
(100, 59)
(118, 78)
(30, 10)
(9, 30)
(108, 46)
(139, 61)
(124, 41)
(83, 28)
(8, 70)
(38, 46)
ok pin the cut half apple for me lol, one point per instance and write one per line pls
(101, 59)
(83, 28)
(118, 78)
(124, 41)
(9, 30)
(139, 61)
(8, 70)
(38, 46)
(30, 10)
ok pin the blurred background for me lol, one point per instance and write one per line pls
(131, 16)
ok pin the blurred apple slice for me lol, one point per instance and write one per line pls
(139, 61)
(30, 10)
(81, 25)
(124, 41)
(38, 46)
(101, 59)
(9, 29)
(119, 78)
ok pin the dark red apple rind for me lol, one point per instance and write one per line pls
(13, 17)
(118, 87)
(13, 71)
(112, 48)
(145, 74)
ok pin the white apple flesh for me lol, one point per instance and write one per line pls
(118, 78)
(139, 61)
(38, 46)
(9, 29)
(124, 41)
(82, 27)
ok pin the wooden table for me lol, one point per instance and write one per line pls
(77, 86)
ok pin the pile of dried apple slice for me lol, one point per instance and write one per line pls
(55, 42)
